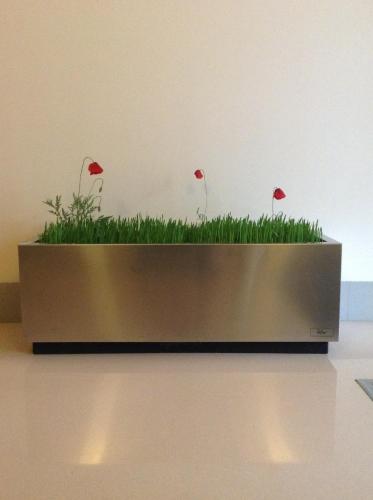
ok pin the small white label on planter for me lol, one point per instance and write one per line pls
(321, 332)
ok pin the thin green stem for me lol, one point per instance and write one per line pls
(99, 204)
(205, 184)
(93, 185)
(81, 172)
(203, 217)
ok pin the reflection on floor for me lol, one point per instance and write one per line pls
(193, 426)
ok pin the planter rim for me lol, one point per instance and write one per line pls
(326, 241)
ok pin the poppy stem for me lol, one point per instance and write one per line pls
(205, 185)
(99, 203)
(273, 202)
(203, 216)
(81, 173)
(93, 185)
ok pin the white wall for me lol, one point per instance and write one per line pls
(256, 92)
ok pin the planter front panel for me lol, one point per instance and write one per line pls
(180, 293)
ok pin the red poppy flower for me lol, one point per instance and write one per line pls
(198, 174)
(95, 169)
(278, 194)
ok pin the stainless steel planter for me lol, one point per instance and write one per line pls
(181, 293)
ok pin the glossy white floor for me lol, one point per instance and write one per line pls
(186, 426)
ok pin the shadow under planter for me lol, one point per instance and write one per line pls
(179, 347)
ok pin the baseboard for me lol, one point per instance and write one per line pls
(10, 303)
(356, 301)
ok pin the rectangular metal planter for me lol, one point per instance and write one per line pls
(184, 293)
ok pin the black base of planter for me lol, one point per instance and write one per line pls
(181, 347)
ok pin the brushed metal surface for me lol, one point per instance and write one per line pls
(10, 304)
(180, 293)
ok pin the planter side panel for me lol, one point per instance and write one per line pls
(180, 293)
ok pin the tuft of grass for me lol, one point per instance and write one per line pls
(148, 230)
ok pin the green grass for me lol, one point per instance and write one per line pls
(227, 229)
